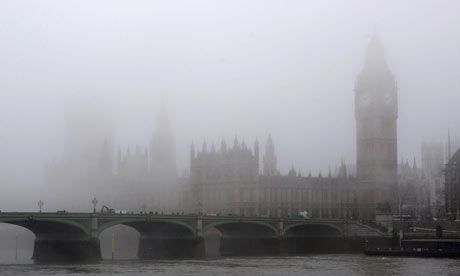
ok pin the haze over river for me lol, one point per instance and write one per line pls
(333, 264)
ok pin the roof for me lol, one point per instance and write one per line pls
(455, 157)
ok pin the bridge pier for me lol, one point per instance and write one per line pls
(66, 251)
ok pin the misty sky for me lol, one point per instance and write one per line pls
(226, 68)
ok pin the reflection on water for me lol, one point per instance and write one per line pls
(341, 264)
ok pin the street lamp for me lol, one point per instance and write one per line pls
(40, 205)
(94, 201)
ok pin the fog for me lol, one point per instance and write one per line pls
(71, 71)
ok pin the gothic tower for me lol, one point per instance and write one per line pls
(163, 150)
(376, 110)
(269, 165)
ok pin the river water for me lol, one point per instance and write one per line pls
(334, 264)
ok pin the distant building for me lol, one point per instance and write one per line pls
(432, 166)
(149, 176)
(85, 167)
(413, 194)
(452, 193)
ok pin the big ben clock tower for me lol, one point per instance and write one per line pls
(376, 110)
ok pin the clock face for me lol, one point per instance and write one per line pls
(388, 99)
(364, 100)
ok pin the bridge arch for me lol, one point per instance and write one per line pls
(144, 226)
(15, 236)
(44, 228)
(313, 230)
(121, 240)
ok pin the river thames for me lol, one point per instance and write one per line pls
(334, 264)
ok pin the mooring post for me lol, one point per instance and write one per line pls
(282, 243)
(113, 246)
(16, 252)
(200, 250)
(280, 229)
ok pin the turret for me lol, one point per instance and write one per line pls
(342, 170)
(192, 152)
(223, 146)
(236, 144)
(292, 171)
(256, 152)
(269, 159)
(204, 148)
(213, 149)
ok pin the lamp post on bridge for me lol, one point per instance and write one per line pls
(40, 205)
(94, 201)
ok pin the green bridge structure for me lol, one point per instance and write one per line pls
(75, 236)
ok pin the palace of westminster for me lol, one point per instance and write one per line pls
(239, 179)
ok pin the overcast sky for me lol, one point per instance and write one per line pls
(226, 68)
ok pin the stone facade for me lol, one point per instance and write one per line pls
(228, 181)
(224, 181)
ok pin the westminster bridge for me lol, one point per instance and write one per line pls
(75, 236)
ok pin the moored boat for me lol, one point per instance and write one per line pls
(426, 248)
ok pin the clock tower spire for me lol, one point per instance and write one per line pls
(376, 111)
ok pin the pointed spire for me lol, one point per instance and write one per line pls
(256, 152)
(204, 149)
(236, 144)
(375, 55)
(119, 154)
(343, 169)
(292, 171)
(243, 145)
(162, 153)
(223, 146)
(192, 150)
